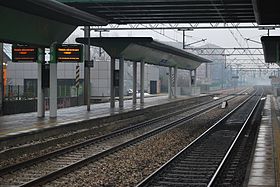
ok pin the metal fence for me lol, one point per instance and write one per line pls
(19, 92)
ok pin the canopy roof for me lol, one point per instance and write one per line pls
(271, 48)
(147, 50)
(266, 12)
(55, 10)
(41, 22)
(168, 11)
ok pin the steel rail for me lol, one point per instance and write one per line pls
(234, 143)
(18, 166)
(67, 169)
(147, 180)
(82, 162)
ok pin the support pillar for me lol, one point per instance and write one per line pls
(112, 87)
(121, 83)
(194, 75)
(53, 90)
(40, 89)
(193, 78)
(223, 74)
(142, 67)
(193, 81)
(206, 71)
(87, 86)
(175, 82)
(170, 83)
(134, 101)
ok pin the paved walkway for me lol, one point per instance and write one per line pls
(275, 113)
(263, 167)
(27, 122)
(21, 123)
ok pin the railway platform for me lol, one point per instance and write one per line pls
(25, 123)
(265, 163)
(13, 125)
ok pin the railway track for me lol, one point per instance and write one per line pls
(199, 163)
(47, 167)
(172, 106)
(40, 146)
(26, 145)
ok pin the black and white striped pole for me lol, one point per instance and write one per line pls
(77, 82)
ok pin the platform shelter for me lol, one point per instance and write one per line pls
(144, 50)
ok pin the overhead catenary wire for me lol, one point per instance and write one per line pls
(232, 33)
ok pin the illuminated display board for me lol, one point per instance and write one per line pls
(69, 53)
(24, 54)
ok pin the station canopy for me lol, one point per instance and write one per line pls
(271, 48)
(168, 11)
(41, 22)
(266, 12)
(146, 49)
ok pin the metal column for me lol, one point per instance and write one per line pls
(134, 101)
(194, 78)
(175, 82)
(1, 79)
(53, 90)
(121, 83)
(112, 87)
(142, 67)
(40, 89)
(170, 83)
(223, 73)
(194, 81)
(190, 78)
(87, 86)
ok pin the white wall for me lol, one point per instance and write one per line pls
(100, 74)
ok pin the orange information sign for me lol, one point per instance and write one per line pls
(69, 53)
(24, 54)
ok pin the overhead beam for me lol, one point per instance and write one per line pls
(226, 51)
(124, 12)
(182, 20)
(256, 69)
(114, 27)
(140, 1)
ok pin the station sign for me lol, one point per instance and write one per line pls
(69, 53)
(24, 53)
(235, 77)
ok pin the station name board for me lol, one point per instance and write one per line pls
(24, 54)
(69, 53)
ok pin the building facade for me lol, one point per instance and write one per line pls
(22, 78)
